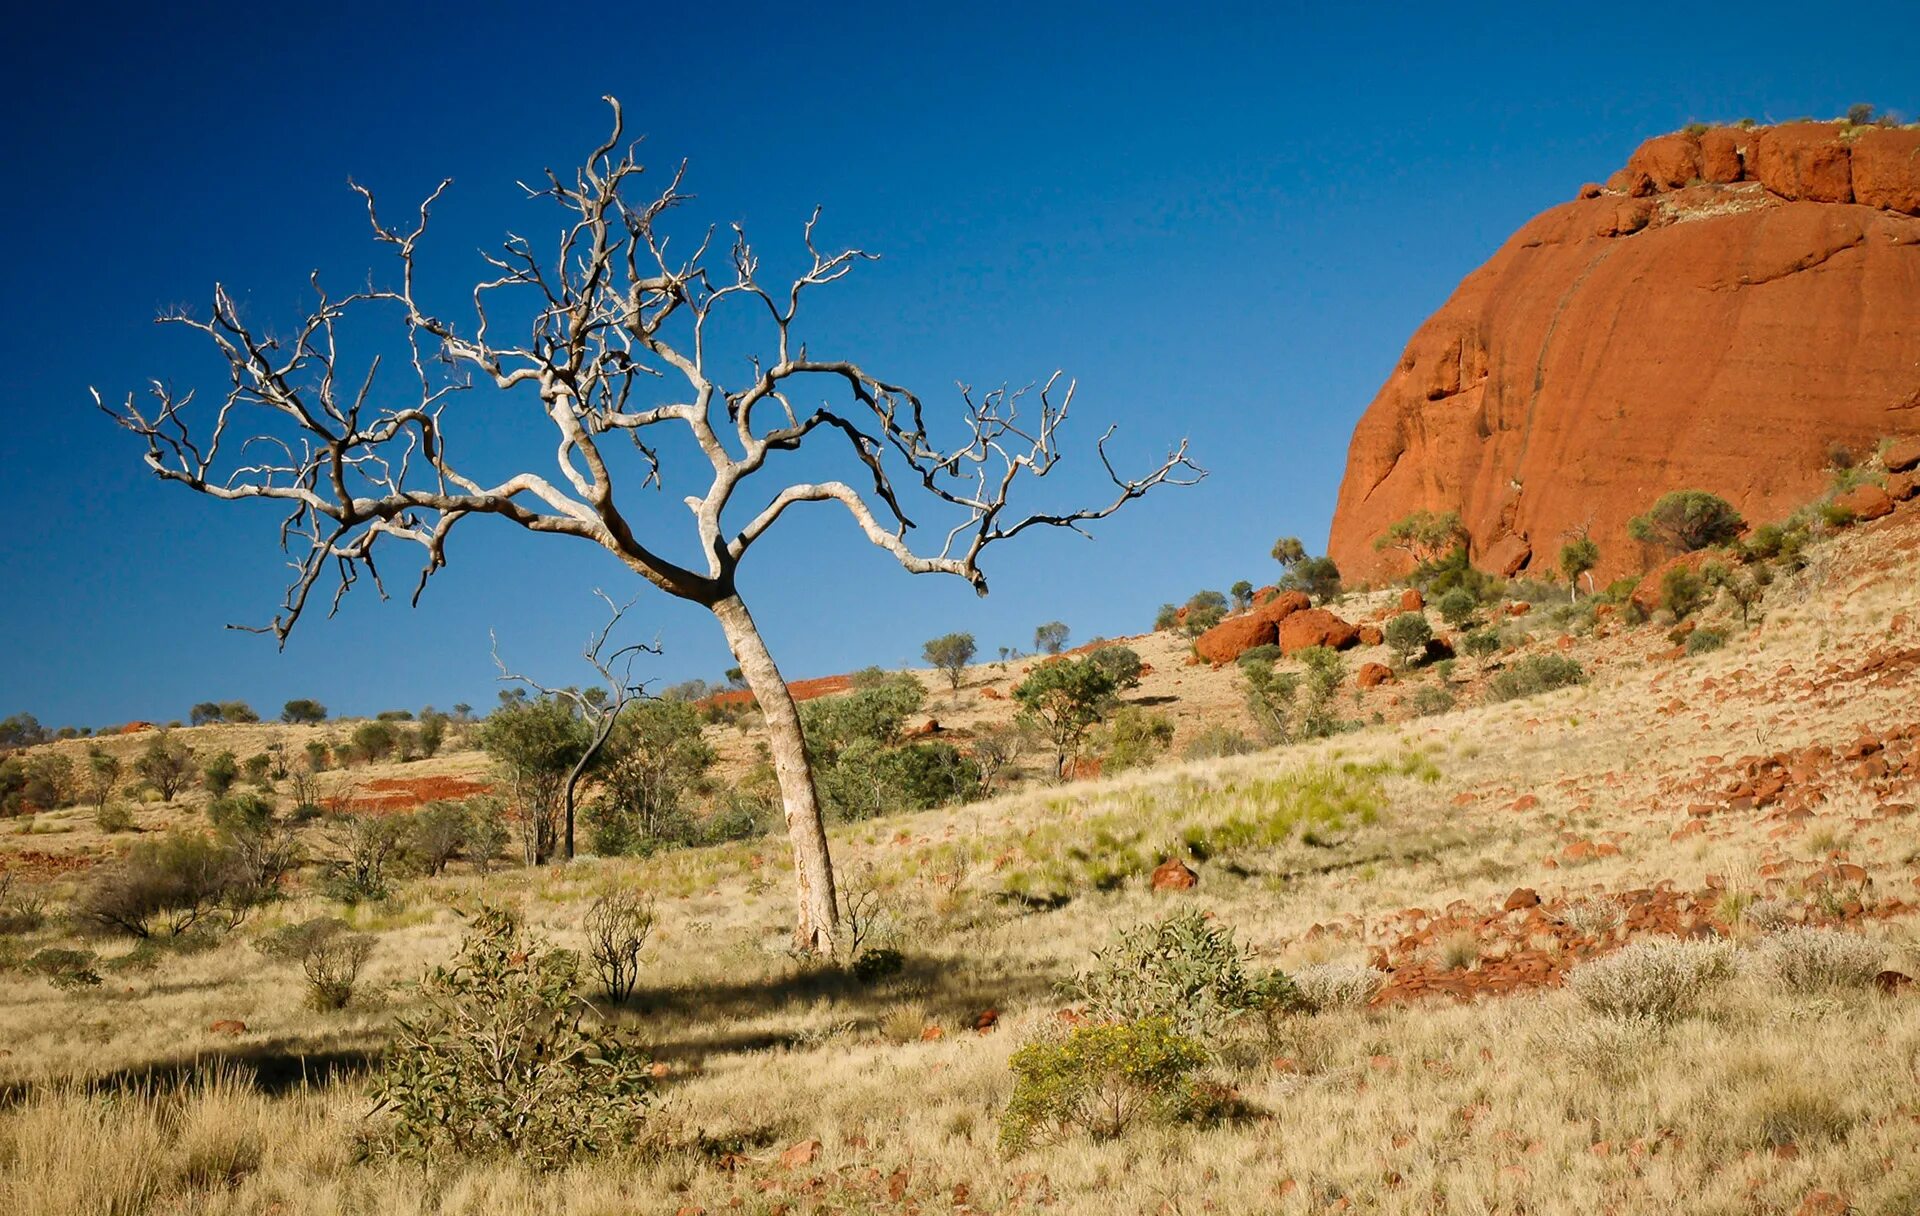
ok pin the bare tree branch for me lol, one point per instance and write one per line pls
(618, 317)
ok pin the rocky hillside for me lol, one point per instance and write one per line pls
(1726, 312)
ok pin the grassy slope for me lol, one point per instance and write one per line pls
(1509, 1104)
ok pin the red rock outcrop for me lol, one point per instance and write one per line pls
(1236, 635)
(1716, 318)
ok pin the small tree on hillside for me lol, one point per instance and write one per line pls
(1457, 606)
(1577, 557)
(1408, 635)
(1289, 552)
(166, 764)
(303, 711)
(103, 775)
(949, 654)
(626, 335)
(1318, 577)
(1242, 593)
(1423, 535)
(1687, 521)
(1064, 700)
(596, 708)
(1204, 610)
(1051, 638)
(537, 743)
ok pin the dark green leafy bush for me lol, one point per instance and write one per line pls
(1706, 641)
(1099, 1080)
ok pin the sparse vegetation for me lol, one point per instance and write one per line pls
(949, 654)
(1535, 674)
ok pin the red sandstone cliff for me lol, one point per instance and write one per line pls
(1730, 305)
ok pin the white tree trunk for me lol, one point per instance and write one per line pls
(817, 917)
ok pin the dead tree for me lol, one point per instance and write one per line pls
(617, 349)
(601, 705)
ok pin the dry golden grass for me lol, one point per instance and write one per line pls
(122, 1099)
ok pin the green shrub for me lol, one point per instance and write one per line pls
(1803, 959)
(1136, 737)
(1099, 1080)
(1535, 674)
(1205, 609)
(303, 710)
(866, 779)
(1408, 635)
(1064, 700)
(1121, 663)
(1182, 970)
(364, 846)
(219, 772)
(1705, 641)
(949, 654)
(328, 954)
(113, 818)
(1682, 592)
(1260, 656)
(1686, 521)
(1431, 699)
(618, 925)
(507, 1062)
(1318, 577)
(67, 970)
(1457, 607)
(877, 963)
(1482, 642)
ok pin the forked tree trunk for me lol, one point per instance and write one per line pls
(817, 918)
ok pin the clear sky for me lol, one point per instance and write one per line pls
(1224, 221)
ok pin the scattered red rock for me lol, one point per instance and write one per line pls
(800, 1155)
(1411, 600)
(1524, 897)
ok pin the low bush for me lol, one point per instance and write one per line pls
(366, 845)
(1535, 674)
(618, 925)
(1660, 979)
(1482, 642)
(1706, 641)
(507, 1062)
(1408, 634)
(328, 953)
(1216, 741)
(1431, 699)
(1326, 987)
(1182, 970)
(1457, 606)
(170, 884)
(1099, 1080)
(112, 818)
(67, 970)
(1804, 959)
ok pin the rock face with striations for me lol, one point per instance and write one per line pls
(1727, 309)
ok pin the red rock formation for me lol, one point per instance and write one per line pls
(1372, 675)
(1715, 319)
(1236, 635)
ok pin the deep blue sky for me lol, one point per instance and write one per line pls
(1225, 224)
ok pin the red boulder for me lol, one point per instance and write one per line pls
(1902, 454)
(1865, 502)
(1804, 160)
(1174, 875)
(1669, 161)
(1315, 627)
(1886, 169)
(1372, 675)
(1411, 600)
(1721, 155)
(1233, 637)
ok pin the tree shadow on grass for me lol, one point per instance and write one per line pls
(276, 1068)
(695, 1021)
